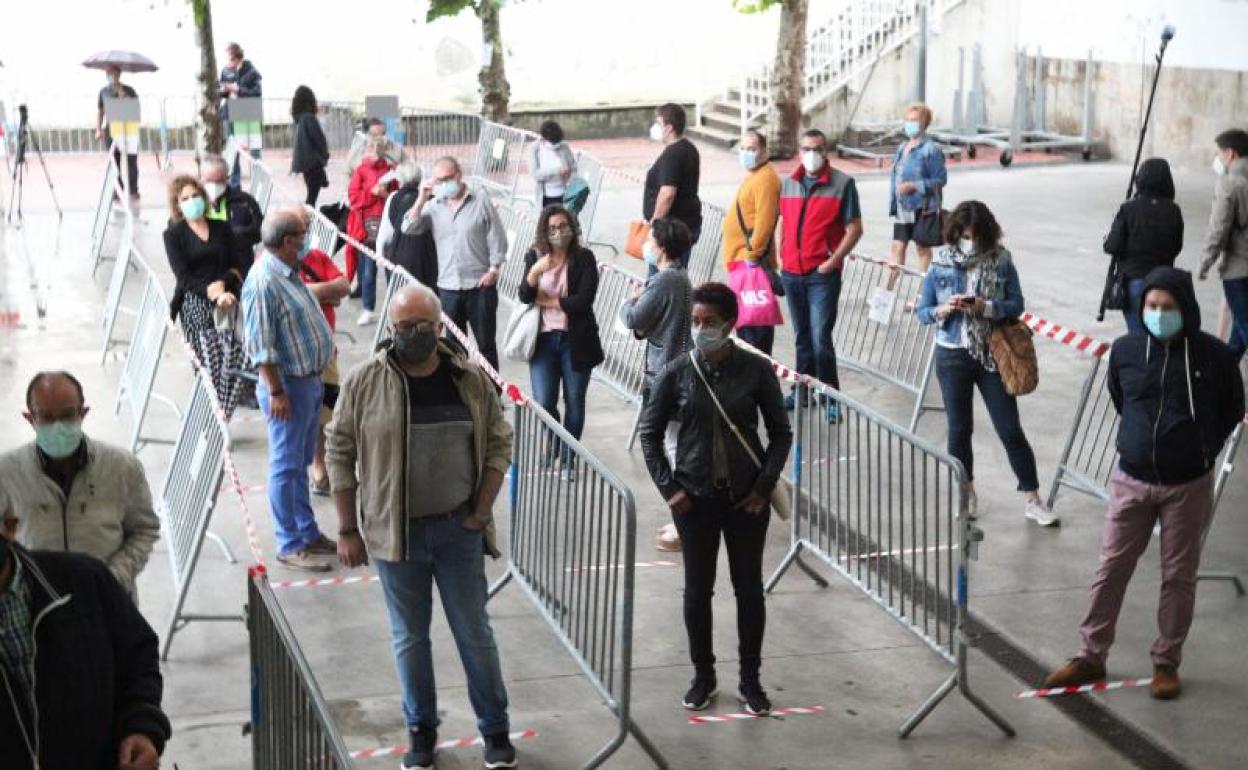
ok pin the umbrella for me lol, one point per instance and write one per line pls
(126, 61)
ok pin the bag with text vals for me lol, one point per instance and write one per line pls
(756, 302)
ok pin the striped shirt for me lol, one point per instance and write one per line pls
(17, 642)
(284, 325)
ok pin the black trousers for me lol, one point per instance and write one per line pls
(744, 536)
(132, 170)
(314, 179)
(761, 337)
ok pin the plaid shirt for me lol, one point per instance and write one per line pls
(17, 642)
(283, 322)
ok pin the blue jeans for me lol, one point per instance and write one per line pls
(292, 443)
(453, 556)
(368, 281)
(551, 363)
(477, 308)
(1236, 291)
(236, 175)
(1135, 299)
(959, 374)
(813, 301)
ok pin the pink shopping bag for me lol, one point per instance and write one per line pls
(757, 305)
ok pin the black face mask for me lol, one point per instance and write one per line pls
(414, 346)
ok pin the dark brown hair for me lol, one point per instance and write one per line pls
(673, 115)
(718, 296)
(541, 243)
(978, 217)
(175, 189)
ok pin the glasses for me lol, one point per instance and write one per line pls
(556, 229)
(407, 327)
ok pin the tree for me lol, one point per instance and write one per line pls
(788, 71)
(494, 89)
(212, 134)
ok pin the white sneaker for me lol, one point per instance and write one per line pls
(366, 318)
(972, 504)
(1040, 513)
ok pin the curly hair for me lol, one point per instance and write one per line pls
(718, 296)
(303, 101)
(978, 217)
(175, 189)
(541, 242)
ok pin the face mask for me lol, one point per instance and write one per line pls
(304, 248)
(1163, 324)
(650, 254)
(559, 240)
(59, 440)
(966, 246)
(1219, 168)
(911, 128)
(214, 189)
(812, 161)
(193, 208)
(708, 339)
(656, 132)
(446, 190)
(748, 158)
(415, 346)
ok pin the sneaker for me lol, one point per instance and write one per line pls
(701, 691)
(567, 474)
(499, 752)
(972, 504)
(1165, 684)
(302, 560)
(667, 539)
(366, 318)
(422, 744)
(320, 488)
(790, 401)
(1040, 513)
(323, 546)
(754, 699)
(1076, 672)
(833, 411)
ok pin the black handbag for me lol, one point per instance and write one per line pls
(929, 228)
(777, 285)
(1115, 293)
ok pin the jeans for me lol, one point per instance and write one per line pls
(694, 235)
(445, 552)
(1236, 291)
(813, 300)
(367, 270)
(314, 180)
(744, 536)
(959, 374)
(132, 171)
(1135, 298)
(477, 308)
(236, 176)
(552, 362)
(761, 337)
(292, 444)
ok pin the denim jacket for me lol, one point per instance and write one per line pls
(945, 277)
(925, 166)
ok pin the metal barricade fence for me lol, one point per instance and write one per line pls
(886, 511)
(707, 252)
(432, 134)
(103, 212)
(500, 155)
(291, 725)
(519, 224)
(324, 234)
(1091, 451)
(138, 375)
(573, 546)
(116, 286)
(623, 369)
(261, 185)
(878, 333)
(594, 172)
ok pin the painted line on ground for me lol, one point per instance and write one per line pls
(638, 565)
(711, 719)
(1050, 692)
(902, 552)
(456, 743)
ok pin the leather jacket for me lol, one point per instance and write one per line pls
(746, 387)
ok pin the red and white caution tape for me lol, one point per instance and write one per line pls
(711, 719)
(1049, 692)
(1068, 337)
(325, 582)
(458, 743)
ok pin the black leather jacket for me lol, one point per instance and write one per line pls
(746, 387)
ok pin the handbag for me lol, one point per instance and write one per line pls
(781, 492)
(520, 339)
(372, 225)
(756, 301)
(228, 319)
(777, 285)
(1014, 352)
(1115, 292)
(929, 228)
(638, 232)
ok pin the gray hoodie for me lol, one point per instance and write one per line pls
(1228, 224)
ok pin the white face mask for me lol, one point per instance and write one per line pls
(966, 246)
(812, 161)
(214, 189)
(1219, 167)
(656, 132)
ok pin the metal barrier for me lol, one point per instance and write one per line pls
(707, 252)
(291, 725)
(594, 173)
(323, 232)
(432, 134)
(623, 369)
(116, 286)
(1090, 452)
(138, 375)
(573, 550)
(886, 510)
(519, 225)
(103, 211)
(500, 156)
(261, 185)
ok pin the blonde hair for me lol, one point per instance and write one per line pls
(925, 112)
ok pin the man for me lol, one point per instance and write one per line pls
(821, 222)
(71, 493)
(672, 182)
(472, 246)
(750, 224)
(425, 429)
(288, 337)
(1228, 232)
(1179, 394)
(117, 90)
(239, 80)
(78, 666)
(228, 204)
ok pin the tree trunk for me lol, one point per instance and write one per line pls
(788, 74)
(211, 133)
(495, 90)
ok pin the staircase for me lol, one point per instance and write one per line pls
(840, 50)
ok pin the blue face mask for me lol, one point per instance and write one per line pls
(911, 128)
(748, 158)
(59, 440)
(193, 208)
(446, 190)
(1163, 324)
(650, 254)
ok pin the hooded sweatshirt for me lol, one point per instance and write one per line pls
(1148, 229)
(1178, 400)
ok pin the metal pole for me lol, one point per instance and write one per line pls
(920, 64)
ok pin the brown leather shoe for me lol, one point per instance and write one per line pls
(1165, 684)
(323, 546)
(1076, 672)
(304, 561)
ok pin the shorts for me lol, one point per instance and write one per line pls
(329, 377)
(924, 231)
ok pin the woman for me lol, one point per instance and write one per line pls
(563, 282)
(553, 164)
(718, 487)
(373, 181)
(972, 286)
(915, 189)
(418, 254)
(310, 153)
(1147, 232)
(659, 314)
(208, 267)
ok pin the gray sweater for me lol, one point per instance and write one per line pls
(660, 315)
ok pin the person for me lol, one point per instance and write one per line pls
(472, 247)
(971, 287)
(419, 446)
(78, 665)
(327, 283)
(371, 184)
(671, 189)
(289, 339)
(750, 224)
(63, 471)
(1179, 394)
(115, 89)
(659, 314)
(561, 278)
(418, 254)
(310, 154)
(916, 189)
(820, 223)
(1147, 233)
(239, 79)
(236, 207)
(1227, 240)
(373, 129)
(373, 138)
(208, 266)
(552, 164)
(715, 488)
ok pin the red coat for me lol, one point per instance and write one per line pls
(365, 205)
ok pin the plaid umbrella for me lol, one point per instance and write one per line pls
(126, 61)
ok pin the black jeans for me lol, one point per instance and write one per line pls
(761, 337)
(959, 374)
(477, 308)
(314, 180)
(744, 536)
(132, 171)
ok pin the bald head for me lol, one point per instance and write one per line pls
(413, 304)
(54, 397)
(283, 232)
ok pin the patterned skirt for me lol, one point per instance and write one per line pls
(219, 351)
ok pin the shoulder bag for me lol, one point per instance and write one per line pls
(520, 339)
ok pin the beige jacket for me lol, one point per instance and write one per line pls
(1227, 238)
(369, 431)
(108, 513)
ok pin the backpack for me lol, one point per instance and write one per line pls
(576, 195)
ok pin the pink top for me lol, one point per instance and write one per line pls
(554, 285)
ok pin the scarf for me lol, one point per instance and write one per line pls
(981, 281)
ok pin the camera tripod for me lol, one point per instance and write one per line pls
(24, 140)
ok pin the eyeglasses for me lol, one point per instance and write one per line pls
(556, 229)
(406, 327)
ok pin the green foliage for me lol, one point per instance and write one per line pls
(197, 9)
(447, 8)
(754, 6)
